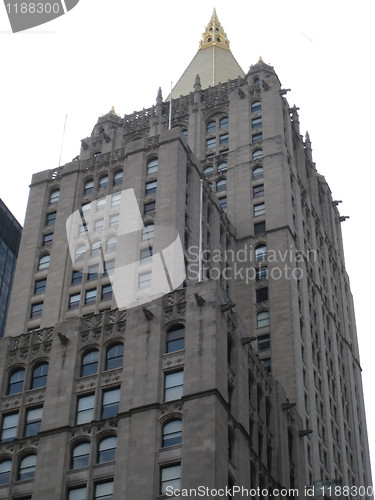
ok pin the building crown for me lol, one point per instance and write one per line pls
(214, 34)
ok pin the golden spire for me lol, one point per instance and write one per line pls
(113, 112)
(214, 34)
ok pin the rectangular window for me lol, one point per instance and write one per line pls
(170, 477)
(224, 139)
(256, 123)
(36, 310)
(77, 493)
(146, 255)
(257, 137)
(74, 301)
(258, 191)
(106, 292)
(111, 401)
(93, 272)
(109, 267)
(9, 427)
(261, 295)
(114, 220)
(151, 187)
(259, 209)
(85, 409)
(264, 342)
(76, 277)
(144, 280)
(116, 199)
(50, 219)
(173, 385)
(260, 228)
(33, 421)
(47, 240)
(104, 491)
(90, 296)
(211, 143)
(223, 202)
(40, 286)
(149, 208)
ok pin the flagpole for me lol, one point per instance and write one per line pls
(200, 268)
(170, 110)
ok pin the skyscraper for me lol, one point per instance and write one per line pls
(244, 374)
(10, 235)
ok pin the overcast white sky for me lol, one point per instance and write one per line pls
(118, 53)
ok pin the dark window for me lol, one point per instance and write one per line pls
(267, 364)
(47, 240)
(5, 471)
(89, 365)
(259, 228)
(40, 286)
(85, 409)
(36, 310)
(256, 106)
(258, 191)
(50, 219)
(90, 296)
(93, 272)
(211, 143)
(33, 421)
(173, 385)
(256, 123)
(111, 401)
(261, 274)
(257, 137)
(106, 289)
(151, 187)
(264, 342)
(149, 208)
(257, 154)
(116, 199)
(152, 166)
(224, 139)
(9, 427)
(15, 384)
(261, 294)
(107, 449)
(74, 301)
(172, 433)
(39, 376)
(175, 338)
(76, 277)
(27, 467)
(117, 178)
(114, 357)
(80, 455)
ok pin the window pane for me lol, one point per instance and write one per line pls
(39, 378)
(257, 173)
(221, 185)
(259, 228)
(144, 280)
(257, 137)
(149, 208)
(258, 191)
(33, 421)
(77, 494)
(116, 199)
(92, 272)
(111, 244)
(90, 363)
(5, 469)
(258, 154)
(54, 196)
(259, 209)
(106, 289)
(36, 310)
(111, 401)
(103, 182)
(47, 239)
(151, 187)
(88, 187)
(40, 286)
(224, 139)
(146, 255)
(27, 467)
(175, 338)
(173, 386)
(224, 122)
(263, 319)
(211, 127)
(104, 491)
(170, 476)
(172, 433)
(90, 296)
(256, 106)
(9, 427)
(107, 449)
(50, 219)
(208, 171)
(85, 409)
(152, 166)
(16, 379)
(148, 232)
(81, 455)
(74, 301)
(115, 357)
(44, 262)
(117, 179)
(260, 252)
(256, 122)
(211, 143)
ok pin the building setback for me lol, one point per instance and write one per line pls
(10, 235)
(249, 376)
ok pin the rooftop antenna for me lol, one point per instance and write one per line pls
(170, 110)
(62, 141)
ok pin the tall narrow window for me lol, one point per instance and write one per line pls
(117, 178)
(224, 122)
(96, 248)
(44, 262)
(148, 232)
(47, 240)
(223, 202)
(50, 219)
(211, 127)
(36, 310)
(170, 477)
(211, 143)
(107, 289)
(264, 342)
(151, 187)
(103, 182)
(257, 173)
(221, 185)
(260, 252)
(224, 139)
(208, 171)
(256, 122)
(257, 154)
(116, 199)
(258, 191)
(54, 196)
(257, 137)
(80, 455)
(173, 385)
(111, 401)
(149, 208)
(152, 166)
(9, 427)
(172, 433)
(111, 244)
(89, 365)
(263, 319)
(104, 491)
(107, 449)
(40, 286)
(90, 296)
(256, 106)
(88, 187)
(33, 421)
(5, 470)
(74, 301)
(144, 280)
(77, 493)
(115, 355)
(39, 376)
(175, 337)
(16, 379)
(27, 467)
(85, 409)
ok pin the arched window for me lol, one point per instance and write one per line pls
(222, 167)
(221, 185)
(114, 356)
(103, 182)
(39, 376)
(148, 232)
(15, 384)
(107, 449)
(44, 262)
(80, 455)
(257, 173)
(211, 127)
(256, 80)
(27, 467)
(185, 133)
(95, 248)
(54, 196)
(5, 470)
(111, 244)
(208, 171)
(223, 122)
(88, 187)
(263, 319)
(89, 364)
(117, 178)
(257, 154)
(175, 338)
(172, 433)
(260, 252)
(80, 253)
(256, 106)
(152, 166)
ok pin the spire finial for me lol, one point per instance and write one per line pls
(214, 34)
(113, 112)
(260, 60)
